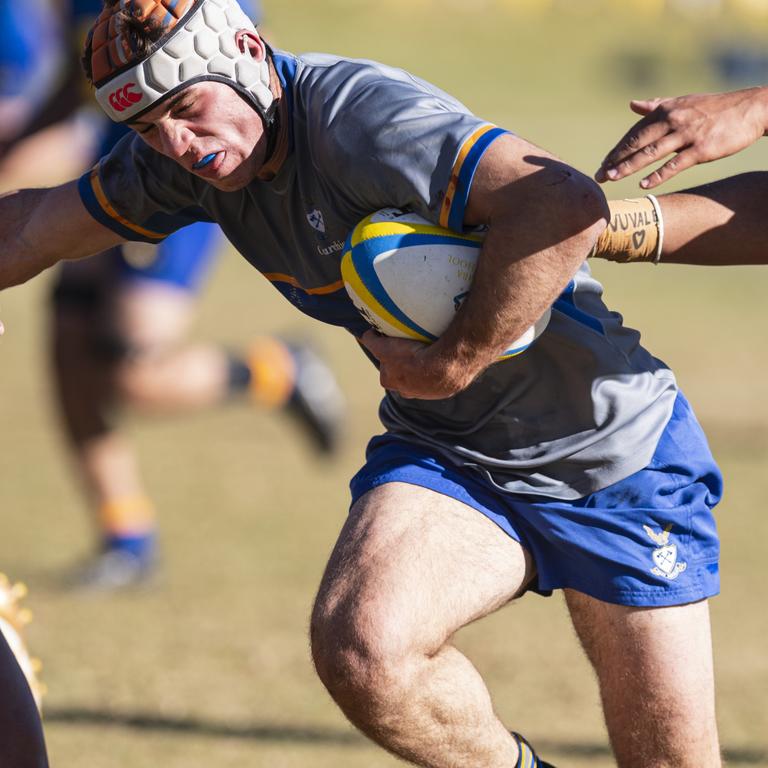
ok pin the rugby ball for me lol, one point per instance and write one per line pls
(408, 277)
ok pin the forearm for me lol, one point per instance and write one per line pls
(39, 227)
(716, 224)
(543, 218)
(529, 256)
(722, 223)
(760, 99)
(19, 259)
(751, 106)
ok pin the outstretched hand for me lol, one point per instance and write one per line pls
(415, 370)
(695, 129)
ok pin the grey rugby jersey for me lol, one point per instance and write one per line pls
(581, 409)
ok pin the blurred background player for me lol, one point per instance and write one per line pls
(118, 320)
(27, 78)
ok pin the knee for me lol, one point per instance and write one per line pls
(130, 380)
(365, 663)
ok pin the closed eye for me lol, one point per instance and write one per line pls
(181, 110)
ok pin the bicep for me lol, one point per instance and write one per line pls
(532, 196)
(514, 173)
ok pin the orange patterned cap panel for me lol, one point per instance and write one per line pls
(112, 48)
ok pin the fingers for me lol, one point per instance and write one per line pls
(642, 144)
(375, 343)
(639, 145)
(685, 159)
(644, 106)
(390, 347)
(649, 153)
(372, 341)
(402, 368)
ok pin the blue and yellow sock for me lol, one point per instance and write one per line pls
(528, 758)
(130, 526)
(268, 372)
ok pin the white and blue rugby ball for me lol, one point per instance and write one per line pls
(408, 277)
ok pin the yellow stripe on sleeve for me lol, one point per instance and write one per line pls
(277, 277)
(466, 148)
(106, 206)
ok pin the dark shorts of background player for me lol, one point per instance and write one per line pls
(649, 540)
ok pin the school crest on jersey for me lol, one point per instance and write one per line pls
(665, 557)
(317, 220)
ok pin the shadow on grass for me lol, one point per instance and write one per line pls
(146, 721)
(297, 734)
(733, 755)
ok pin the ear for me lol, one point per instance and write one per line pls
(249, 41)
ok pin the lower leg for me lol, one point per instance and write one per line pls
(105, 459)
(160, 370)
(433, 710)
(125, 513)
(274, 374)
(188, 378)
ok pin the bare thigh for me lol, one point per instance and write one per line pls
(417, 566)
(654, 667)
(412, 566)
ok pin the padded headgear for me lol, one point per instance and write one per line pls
(198, 43)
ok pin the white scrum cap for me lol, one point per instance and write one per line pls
(199, 43)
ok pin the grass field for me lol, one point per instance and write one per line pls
(212, 669)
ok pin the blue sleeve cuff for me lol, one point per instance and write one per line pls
(456, 196)
(96, 203)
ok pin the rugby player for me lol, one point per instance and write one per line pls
(27, 79)
(118, 328)
(576, 466)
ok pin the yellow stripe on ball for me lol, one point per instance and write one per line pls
(352, 279)
(368, 229)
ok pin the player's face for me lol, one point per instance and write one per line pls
(211, 131)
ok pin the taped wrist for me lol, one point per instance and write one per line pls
(635, 231)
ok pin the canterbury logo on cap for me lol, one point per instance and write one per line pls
(124, 97)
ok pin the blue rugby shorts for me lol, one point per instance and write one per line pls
(648, 540)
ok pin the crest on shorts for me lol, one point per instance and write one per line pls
(665, 559)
